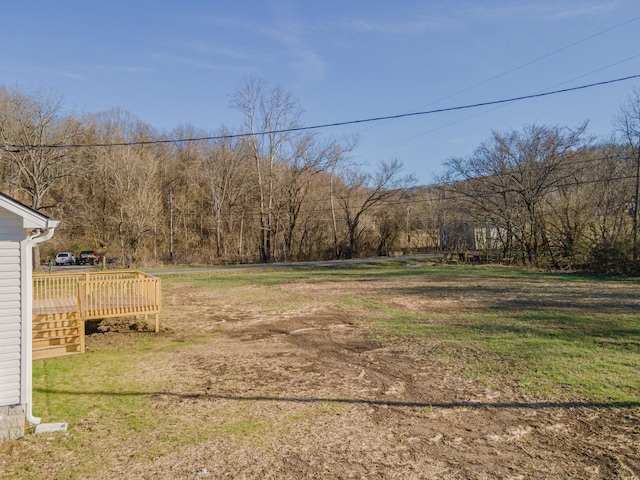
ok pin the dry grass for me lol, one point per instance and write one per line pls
(389, 371)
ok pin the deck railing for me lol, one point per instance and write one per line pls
(97, 295)
(102, 298)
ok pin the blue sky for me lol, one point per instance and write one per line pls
(176, 63)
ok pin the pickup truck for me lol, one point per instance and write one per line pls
(88, 257)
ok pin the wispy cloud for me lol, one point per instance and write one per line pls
(307, 64)
(293, 37)
(70, 75)
(543, 11)
(282, 37)
(587, 10)
(190, 62)
(395, 27)
(52, 72)
(137, 70)
(453, 17)
(103, 69)
(220, 50)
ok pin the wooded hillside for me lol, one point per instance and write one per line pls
(269, 191)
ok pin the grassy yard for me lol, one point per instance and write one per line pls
(539, 338)
(559, 337)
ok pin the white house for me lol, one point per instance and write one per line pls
(20, 229)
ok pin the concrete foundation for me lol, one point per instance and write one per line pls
(11, 422)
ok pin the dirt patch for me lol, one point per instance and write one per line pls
(308, 392)
(393, 411)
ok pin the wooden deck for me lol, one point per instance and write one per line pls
(62, 303)
(55, 305)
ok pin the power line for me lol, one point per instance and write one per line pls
(550, 54)
(531, 62)
(455, 122)
(17, 148)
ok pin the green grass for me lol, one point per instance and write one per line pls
(266, 277)
(562, 355)
(536, 328)
(554, 337)
(574, 352)
(72, 387)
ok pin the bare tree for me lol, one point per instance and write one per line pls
(429, 213)
(129, 181)
(270, 115)
(508, 178)
(571, 207)
(36, 139)
(364, 191)
(221, 181)
(628, 125)
(338, 164)
(311, 157)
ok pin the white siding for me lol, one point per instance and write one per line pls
(10, 227)
(10, 311)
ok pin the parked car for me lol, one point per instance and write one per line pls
(64, 258)
(88, 256)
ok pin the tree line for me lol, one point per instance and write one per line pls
(545, 196)
(268, 192)
(550, 196)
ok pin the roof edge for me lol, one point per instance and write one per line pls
(30, 218)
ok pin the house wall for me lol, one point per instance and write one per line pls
(11, 413)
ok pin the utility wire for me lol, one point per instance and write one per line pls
(530, 62)
(475, 115)
(17, 148)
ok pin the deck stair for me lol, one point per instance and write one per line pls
(62, 303)
(56, 334)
